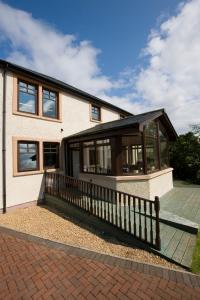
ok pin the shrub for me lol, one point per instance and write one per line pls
(185, 158)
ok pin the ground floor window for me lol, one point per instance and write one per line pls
(51, 155)
(132, 160)
(97, 157)
(28, 157)
(34, 156)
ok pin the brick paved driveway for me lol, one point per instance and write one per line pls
(32, 268)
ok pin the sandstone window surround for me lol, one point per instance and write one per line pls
(41, 94)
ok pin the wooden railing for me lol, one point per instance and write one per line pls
(132, 214)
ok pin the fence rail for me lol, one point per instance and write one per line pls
(132, 214)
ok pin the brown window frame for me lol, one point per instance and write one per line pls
(36, 97)
(37, 156)
(57, 103)
(57, 166)
(91, 113)
(95, 145)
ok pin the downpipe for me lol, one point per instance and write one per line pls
(4, 139)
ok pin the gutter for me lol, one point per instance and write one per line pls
(4, 138)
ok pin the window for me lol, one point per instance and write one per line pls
(27, 97)
(50, 105)
(103, 158)
(51, 155)
(152, 147)
(164, 147)
(151, 154)
(96, 113)
(89, 157)
(28, 159)
(97, 157)
(132, 159)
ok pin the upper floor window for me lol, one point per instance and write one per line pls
(51, 155)
(95, 113)
(50, 104)
(27, 97)
(28, 156)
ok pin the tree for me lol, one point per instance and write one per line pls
(196, 129)
(185, 157)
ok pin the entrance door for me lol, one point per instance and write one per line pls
(75, 163)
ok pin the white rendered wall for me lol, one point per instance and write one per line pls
(146, 186)
(1, 103)
(75, 118)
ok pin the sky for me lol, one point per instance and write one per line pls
(139, 55)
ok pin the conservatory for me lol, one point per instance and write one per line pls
(129, 155)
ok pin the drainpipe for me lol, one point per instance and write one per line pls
(4, 139)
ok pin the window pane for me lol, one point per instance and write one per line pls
(49, 104)
(49, 108)
(51, 155)
(27, 98)
(89, 159)
(88, 143)
(96, 113)
(132, 155)
(151, 154)
(27, 102)
(103, 165)
(151, 129)
(107, 141)
(164, 149)
(97, 157)
(28, 157)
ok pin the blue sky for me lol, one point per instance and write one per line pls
(139, 55)
(119, 28)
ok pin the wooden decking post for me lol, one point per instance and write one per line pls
(157, 209)
(91, 186)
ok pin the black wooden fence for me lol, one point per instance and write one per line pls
(132, 214)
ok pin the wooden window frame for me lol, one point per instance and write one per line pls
(40, 86)
(100, 113)
(40, 142)
(95, 145)
(37, 155)
(57, 158)
(18, 98)
(57, 103)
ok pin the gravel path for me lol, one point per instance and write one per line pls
(39, 221)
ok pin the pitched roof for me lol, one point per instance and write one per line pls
(131, 121)
(62, 85)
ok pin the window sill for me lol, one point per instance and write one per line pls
(28, 173)
(38, 172)
(36, 117)
(95, 121)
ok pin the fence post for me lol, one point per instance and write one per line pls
(157, 209)
(91, 186)
(45, 187)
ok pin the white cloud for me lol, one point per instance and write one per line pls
(37, 45)
(172, 77)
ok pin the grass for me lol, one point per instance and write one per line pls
(196, 256)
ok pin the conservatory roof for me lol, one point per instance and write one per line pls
(137, 122)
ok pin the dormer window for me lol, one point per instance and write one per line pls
(95, 113)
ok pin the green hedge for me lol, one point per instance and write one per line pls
(185, 158)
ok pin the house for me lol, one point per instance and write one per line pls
(50, 125)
